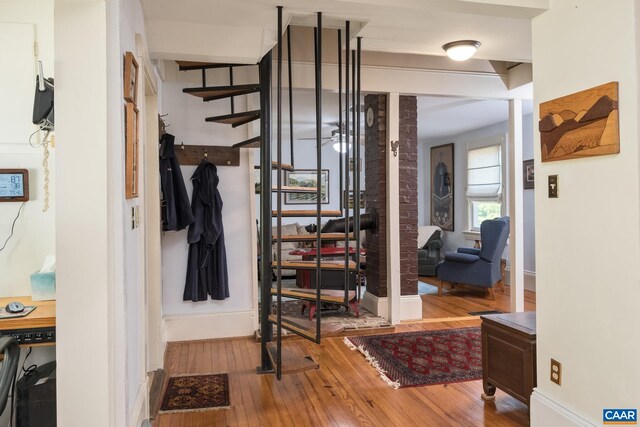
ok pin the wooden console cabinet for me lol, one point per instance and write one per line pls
(509, 354)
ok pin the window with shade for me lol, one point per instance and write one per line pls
(484, 184)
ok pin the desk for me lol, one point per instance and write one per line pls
(42, 320)
(509, 354)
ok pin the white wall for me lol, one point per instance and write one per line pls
(588, 313)
(132, 22)
(34, 234)
(305, 150)
(186, 117)
(455, 239)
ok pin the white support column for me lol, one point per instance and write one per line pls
(90, 340)
(393, 210)
(516, 245)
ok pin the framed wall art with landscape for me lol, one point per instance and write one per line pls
(442, 186)
(131, 153)
(130, 77)
(583, 124)
(306, 178)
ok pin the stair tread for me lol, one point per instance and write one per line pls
(218, 92)
(305, 327)
(291, 362)
(326, 295)
(311, 237)
(274, 165)
(311, 265)
(235, 119)
(249, 143)
(307, 213)
(292, 189)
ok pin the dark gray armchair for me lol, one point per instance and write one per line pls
(429, 254)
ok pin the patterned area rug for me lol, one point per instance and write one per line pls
(335, 314)
(413, 359)
(189, 393)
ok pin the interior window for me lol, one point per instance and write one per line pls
(484, 184)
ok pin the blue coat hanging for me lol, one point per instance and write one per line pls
(207, 262)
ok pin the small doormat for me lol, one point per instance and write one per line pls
(412, 359)
(190, 393)
(484, 313)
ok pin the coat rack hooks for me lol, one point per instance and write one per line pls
(220, 155)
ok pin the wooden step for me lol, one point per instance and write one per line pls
(249, 143)
(306, 213)
(291, 189)
(236, 119)
(291, 362)
(274, 165)
(305, 327)
(326, 237)
(326, 295)
(193, 65)
(311, 265)
(220, 92)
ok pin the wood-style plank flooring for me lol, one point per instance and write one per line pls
(345, 391)
(457, 303)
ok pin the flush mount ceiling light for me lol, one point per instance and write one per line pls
(461, 50)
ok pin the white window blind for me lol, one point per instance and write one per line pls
(484, 174)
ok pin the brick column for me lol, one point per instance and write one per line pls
(376, 150)
(408, 159)
(375, 193)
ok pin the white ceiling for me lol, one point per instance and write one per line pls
(441, 117)
(246, 28)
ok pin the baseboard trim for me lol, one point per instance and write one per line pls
(379, 306)
(140, 409)
(529, 279)
(410, 307)
(547, 412)
(208, 326)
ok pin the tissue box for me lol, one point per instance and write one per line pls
(43, 286)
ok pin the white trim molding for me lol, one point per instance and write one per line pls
(529, 279)
(547, 412)
(140, 409)
(208, 326)
(379, 306)
(410, 307)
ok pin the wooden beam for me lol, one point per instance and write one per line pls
(218, 155)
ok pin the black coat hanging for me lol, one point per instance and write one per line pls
(207, 262)
(176, 210)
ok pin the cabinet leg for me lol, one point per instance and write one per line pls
(489, 392)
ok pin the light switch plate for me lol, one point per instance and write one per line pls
(553, 186)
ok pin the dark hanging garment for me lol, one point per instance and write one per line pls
(176, 210)
(207, 263)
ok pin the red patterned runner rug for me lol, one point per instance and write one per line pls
(189, 393)
(412, 359)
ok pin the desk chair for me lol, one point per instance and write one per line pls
(8, 369)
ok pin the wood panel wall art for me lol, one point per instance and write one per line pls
(582, 124)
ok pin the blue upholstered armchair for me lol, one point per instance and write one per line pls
(479, 267)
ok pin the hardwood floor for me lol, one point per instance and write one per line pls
(345, 391)
(457, 303)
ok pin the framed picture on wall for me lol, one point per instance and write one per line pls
(131, 152)
(527, 174)
(349, 201)
(130, 77)
(442, 191)
(306, 178)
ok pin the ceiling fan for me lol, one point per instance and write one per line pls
(335, 137)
